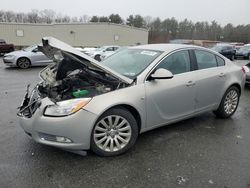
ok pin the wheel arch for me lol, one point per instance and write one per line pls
(23, 57)
(237, 85)
(129, 108)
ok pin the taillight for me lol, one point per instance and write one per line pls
(245, 69)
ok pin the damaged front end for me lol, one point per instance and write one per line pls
(69, 82)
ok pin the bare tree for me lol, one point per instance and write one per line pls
(84, 18)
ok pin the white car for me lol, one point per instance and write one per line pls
(96, 54)
(26, 58)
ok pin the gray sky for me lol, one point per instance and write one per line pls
(223, 11)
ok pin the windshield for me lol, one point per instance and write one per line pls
(100, 49)
(244, 48)
(30, 48)
(131, 62)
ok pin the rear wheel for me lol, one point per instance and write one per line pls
(232, 57)
(23, 63)
(114, 133)
(229, 103)
(97, 57)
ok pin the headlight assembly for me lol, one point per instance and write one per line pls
(66, 108)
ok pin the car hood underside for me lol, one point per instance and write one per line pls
(54, 49)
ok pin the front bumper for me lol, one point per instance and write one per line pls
(76, 127)
(9, 61)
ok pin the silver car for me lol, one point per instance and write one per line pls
(26, 58)
(248, 74)
(81, 104)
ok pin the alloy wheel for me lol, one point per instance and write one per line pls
(231, 102)
(23, 63)
(112, 133)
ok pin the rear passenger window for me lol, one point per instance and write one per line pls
(220, 61)
(205, 59)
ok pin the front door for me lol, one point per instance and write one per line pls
(171, 99)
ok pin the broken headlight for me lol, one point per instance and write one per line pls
(66, 108)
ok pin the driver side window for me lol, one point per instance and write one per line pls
(176, 63)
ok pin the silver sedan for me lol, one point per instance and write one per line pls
(81, 104)
(26, 58)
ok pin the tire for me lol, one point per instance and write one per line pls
(97, 57)
(229, 103)
(23, 63)
(232, 58)
(114, 133)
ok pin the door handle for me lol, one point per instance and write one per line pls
(222, 74)
(190, 83)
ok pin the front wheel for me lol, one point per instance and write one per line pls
(97, 57)
(229, 103)
(23, 63)
(114, 133)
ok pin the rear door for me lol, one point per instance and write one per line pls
(210, 79)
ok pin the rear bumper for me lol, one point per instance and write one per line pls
(248, 79)
(240, 56)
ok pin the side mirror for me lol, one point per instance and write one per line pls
(161, 74)
(35, 50)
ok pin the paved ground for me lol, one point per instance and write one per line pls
(199, 152)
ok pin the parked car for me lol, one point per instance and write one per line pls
(107, 54)
(82, 104)
(85, 50)
(5, 48)
(243, 52)
(96, 54)
(248, 74)
(226, 50)
(26, 58)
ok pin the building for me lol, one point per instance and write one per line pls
(75, 34)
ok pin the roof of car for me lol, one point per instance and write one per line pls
(164, 47)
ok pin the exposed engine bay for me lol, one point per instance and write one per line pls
(70, 78)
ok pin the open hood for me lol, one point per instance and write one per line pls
(51, 47)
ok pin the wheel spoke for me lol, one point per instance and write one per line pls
(121, 124)
(98, 128)
(121, 139)
(101, 140)
(106, 143)
(110, 121)
(116, 121)
(111, 144)
(124, 128)
(99, 135)
(104, 124)
(118, 145)
(125, 134)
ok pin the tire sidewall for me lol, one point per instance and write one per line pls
(134, 127)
